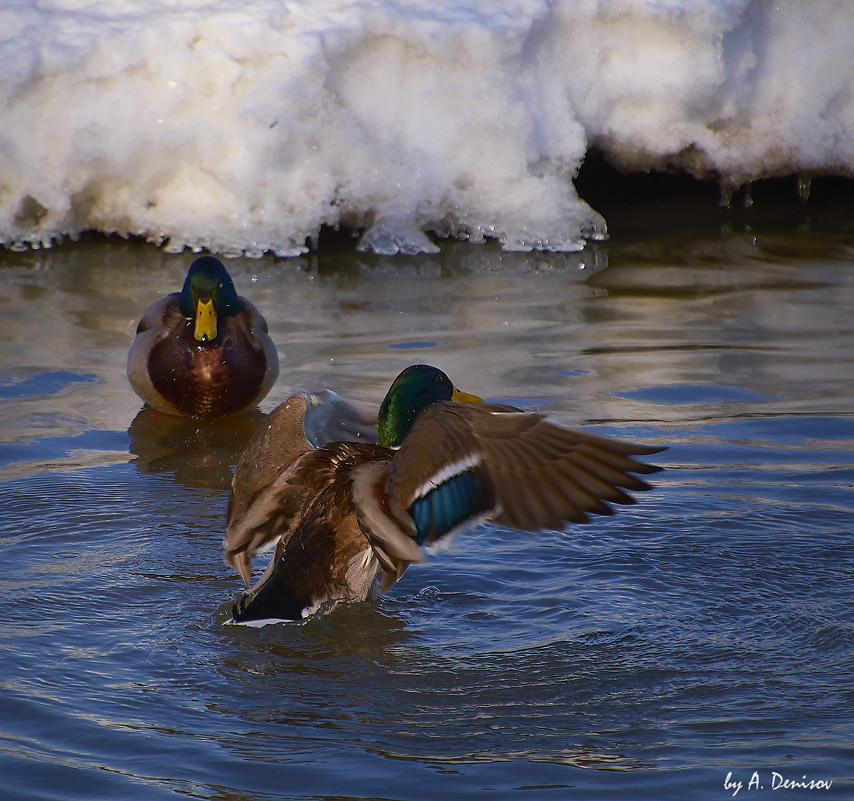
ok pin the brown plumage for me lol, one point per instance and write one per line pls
(348, 518)
(266, 495)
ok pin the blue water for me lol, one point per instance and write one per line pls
(700, 637)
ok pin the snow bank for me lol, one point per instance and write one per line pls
(243, 127)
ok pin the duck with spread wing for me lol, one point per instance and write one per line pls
(349, 517)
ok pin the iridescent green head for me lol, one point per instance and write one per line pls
(416, 388)
(208, 294)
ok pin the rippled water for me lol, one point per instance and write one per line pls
(700, 637)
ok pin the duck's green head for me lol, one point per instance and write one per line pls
(208, 294)
(416, 388)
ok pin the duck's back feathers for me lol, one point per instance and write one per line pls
(324, 550)
(272, 482)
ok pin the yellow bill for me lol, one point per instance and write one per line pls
(205, 330)
(465, 397)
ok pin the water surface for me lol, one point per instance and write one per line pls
(706, 632)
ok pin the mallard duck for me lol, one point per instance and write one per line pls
(203, 351)
(349, 517)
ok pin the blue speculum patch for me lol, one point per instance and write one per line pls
(458, 499)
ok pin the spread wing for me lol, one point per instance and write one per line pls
(331, 418)
(462, 463)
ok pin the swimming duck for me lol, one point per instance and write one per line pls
(203, 351)
(349, 517)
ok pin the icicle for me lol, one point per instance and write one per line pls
(804, 186)
(727, 188)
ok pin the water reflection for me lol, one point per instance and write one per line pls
(198, 453)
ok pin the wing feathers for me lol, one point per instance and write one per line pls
(449, 501)
(543, 510)
(593, 484)
(614, 472)
(264, 519)
(541, 475)
(390, 533)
